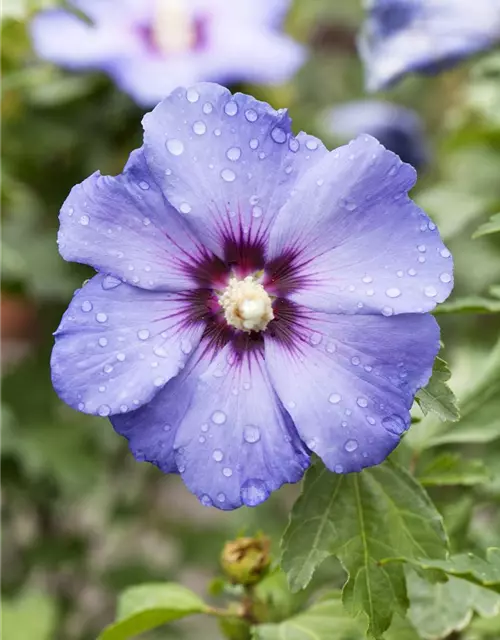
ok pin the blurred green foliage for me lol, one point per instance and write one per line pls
(82, 520)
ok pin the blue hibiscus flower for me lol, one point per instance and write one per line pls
(401, 36)
(257, 298)
(150, 47)
(399, 129)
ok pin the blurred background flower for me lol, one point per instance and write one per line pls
(150, 47)
(399, 129)
(401, 36)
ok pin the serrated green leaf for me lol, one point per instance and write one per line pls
(492, 226)
(437, 397)
(437, 610)
(485, 573)
(151, 605)
(362, 518)
(470, 304)
(452, 469)
(32, 614)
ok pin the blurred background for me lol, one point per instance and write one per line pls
(81, 518)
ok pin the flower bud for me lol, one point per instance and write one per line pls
(246, 560)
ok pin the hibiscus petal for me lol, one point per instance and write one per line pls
(364, 246)
(118, 345)
(401, 36)
(226, 162)
(234, 443)
(349, 382)
(122, 225)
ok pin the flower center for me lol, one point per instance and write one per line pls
(247, 305)
(174, 30)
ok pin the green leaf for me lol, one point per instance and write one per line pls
(362, 518)
(437, 610)
(485, 573)
(150, 605)
(492, 226)
(470, 304)
(452, 469)
(437, 397)
(326, 620)
(31, 615)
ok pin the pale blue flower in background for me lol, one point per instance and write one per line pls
(149, 47)
(401, 36)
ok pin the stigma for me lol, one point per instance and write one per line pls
(174, 29)
(247, 305)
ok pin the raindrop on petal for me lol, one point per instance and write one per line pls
(176, 147)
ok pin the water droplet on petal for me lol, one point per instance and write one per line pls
(108, 368)
(253, 492)
(233, 154)
(207, 108)
(367, 279)
(312, 145)
(257, 212)
(184, 207)
(422, 248)
(393, 293)
(144, 185)
(370, 420)
(219, 417)
(338, 468)
(206, 501)
(143, 334)
(348, 203)
(315, 338)
(217, 132)
(331, 347)
(110, 282)
(87, 306)
(101, 317)
(412, 272)
(251, 433)
(199, 128)
(204, 428)
(231, 108)
(445, 277)
(192, 95)
(104, 410)
(351, 445)
(278, 135)
(221, 497)
(355, 360)
(387, 311)
(159, 382)
(120, 357)
(362, 402)
(227, 175)
(102, 342)
(430, 292)
(227, 471)
(176, 147)
(84, 220)
(335, 398)
(251, 115)
(186, 346)
(217, 455)
(445, 253)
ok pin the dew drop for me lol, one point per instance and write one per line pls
(231, 108)
(362, 402)
(348, 204)
(199, 127)
(120, 357)
(367, 279)
(227, 471)
(221, 497)
(184, 207)
(217, 132)
(204, 427)
(202, 439)
(293, 145)
(257, 212)
(335, 398)
(158, 382)
(253, 492)
(412, 272)
(233, 154)
(351, 445)
(421, 248)
(207, 108)
(338, 468)
(101, 317)
(331, 347)
(123, 408)
(192, 95)
(387, 311)
(103, 342)
(355, 360)
(445, 277)
(143, 334)
(393, 292)
(251, 115)
(110, 282)
(108, 368)
(312, 145)
(254, 143)
(370, 420)
(394, 424)
(87, 306)
(251, 433)
(104, 410)
(217, 455)
(84, 220)
(400, 274)
(206, 500)
(315, 338)
(219, 417)
(430, 292)
(445, 253)
(227, 175)
(278, 135)
(176, 147)
(144, 185)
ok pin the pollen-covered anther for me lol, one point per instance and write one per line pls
(247, 305)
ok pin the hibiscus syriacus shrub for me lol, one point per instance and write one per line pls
(260, 316)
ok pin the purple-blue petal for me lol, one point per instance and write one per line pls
(226, 162)
(124, 226)
(401, 36)
(117, 345)
(364, 246)
(234, 443)
(397, 128)
(349, 382)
